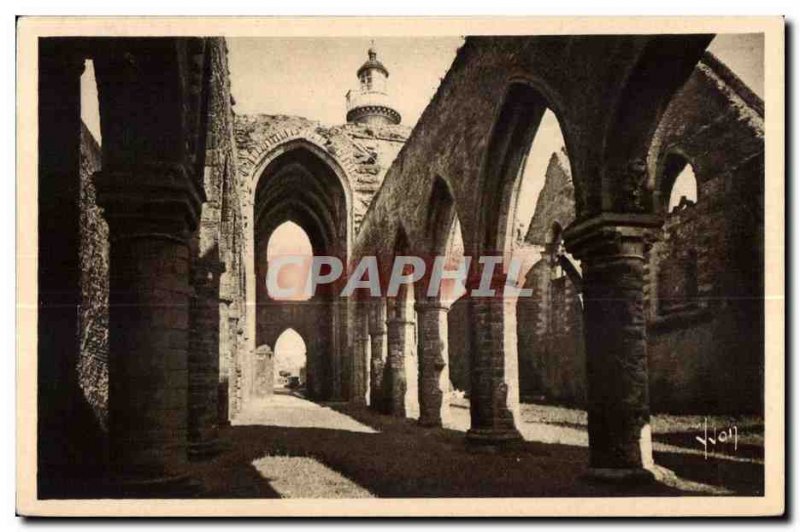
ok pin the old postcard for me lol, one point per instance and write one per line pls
(398, 266)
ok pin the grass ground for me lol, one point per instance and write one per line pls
(401, 459)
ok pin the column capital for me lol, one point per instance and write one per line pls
(151, 199)
(431, 305)
(399, 321)
(611, 234)
(377, 331)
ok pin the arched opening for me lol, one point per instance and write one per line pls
(676, 271)
(549, 322)
(527, 147)
(548, 143)
(684, 189)
(290, 361)
(458, 321)
(401, 326)
(302, 207)
(290, 243)
(446, 240)
(527, 186)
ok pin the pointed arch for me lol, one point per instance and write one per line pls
(664, 64)
(440, 216)
(513, 133)
(675, 175)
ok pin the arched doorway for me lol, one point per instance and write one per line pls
(549, 326)
(528, 141)
(401, 325)
(302, 207)
(290, 361)
(289, 243)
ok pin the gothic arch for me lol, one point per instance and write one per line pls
(298, 180)
(661, 68)
(670, 168)
(270, 152)
(440, 217)
(516, 124)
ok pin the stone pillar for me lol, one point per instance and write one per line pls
(411, 366)
(203, 358)
(340, 381)
(434, 379)
(612, 250)
(401, 364)
(378, 351)
(360, 355)
(494, 395)
(228, 324)
(263, 372)
(64, 419)
(395, 381)
(151, 210)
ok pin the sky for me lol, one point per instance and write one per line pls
(310, 76)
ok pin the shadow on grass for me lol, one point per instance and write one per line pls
(404, 459)
(743, 478)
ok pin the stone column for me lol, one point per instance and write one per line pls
(360, 355)
(203, 358)
(228, 324)
(68, 436)
(411, 366)
(401, 395)
(612, 249)
(263, 372)
(339, 379)
(151, 210)
(378, 350)
(434, 379)
(395, 382)
(494, 397)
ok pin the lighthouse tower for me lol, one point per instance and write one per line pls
(369, 104)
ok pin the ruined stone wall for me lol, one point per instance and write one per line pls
(359, 155)
(311, 320)
(556, 201)
(453, 141)
(93, 313)
(217, 272)
(705, 274)
(363, 151)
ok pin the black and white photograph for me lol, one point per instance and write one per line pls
(401, 267)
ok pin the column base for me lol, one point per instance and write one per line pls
(206, 450)
(430, 423)
(627, 476)
(493, 437)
